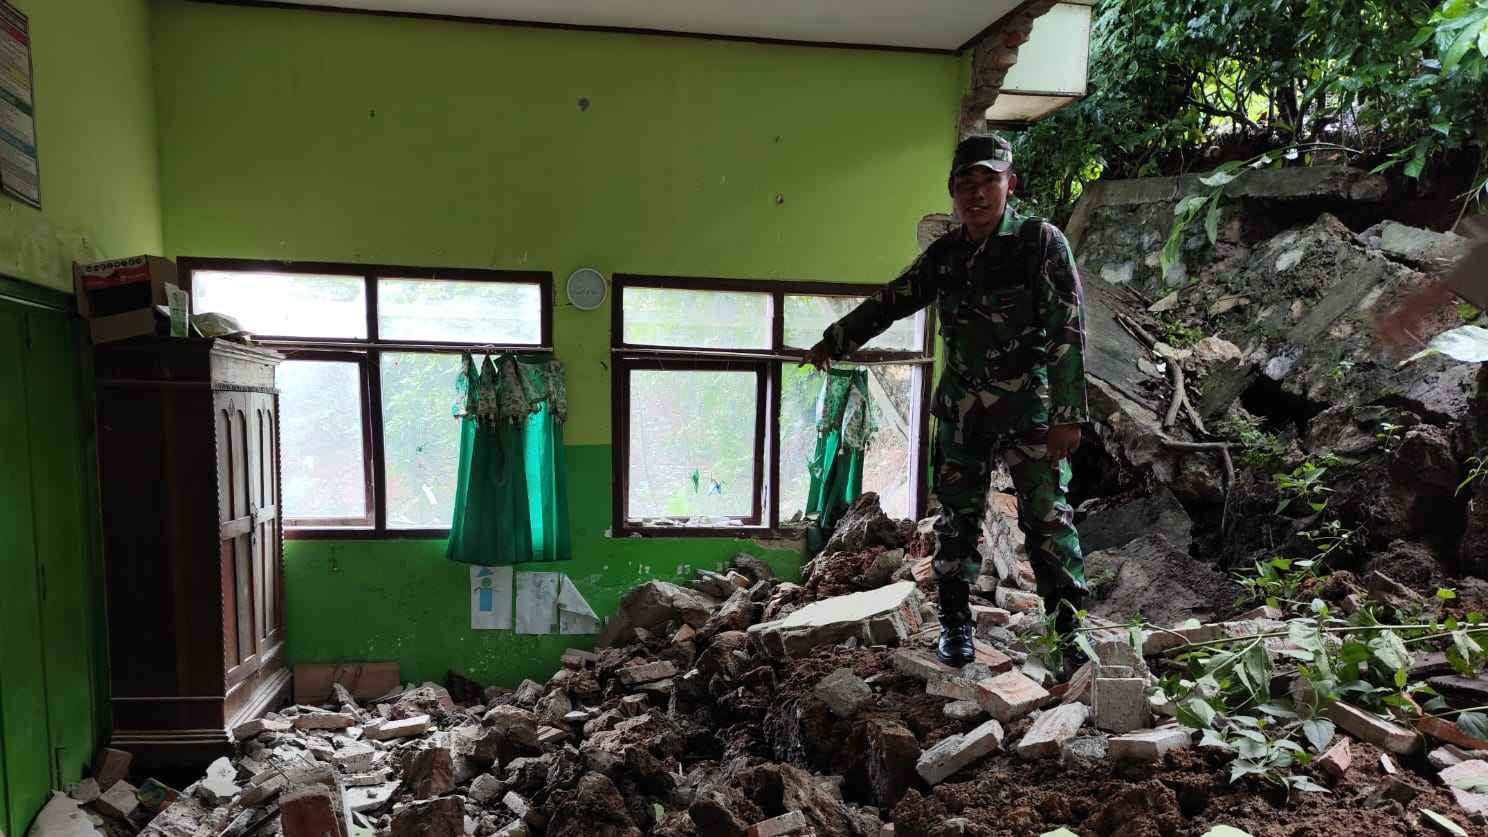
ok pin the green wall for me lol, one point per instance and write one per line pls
(95, 124)
(96, 117)
(321, 136)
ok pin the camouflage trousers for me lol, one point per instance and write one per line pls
(963, 471)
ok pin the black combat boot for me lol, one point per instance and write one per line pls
(956, 647)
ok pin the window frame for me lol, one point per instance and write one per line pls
(627, 357)
(367, 354)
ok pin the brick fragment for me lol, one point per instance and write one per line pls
(1387, 735)
(952, 754)
(417, 725)
(119, 800)
(1051, 729)
(1149, 744)
(111, 766)
(1337, 760)
(1010, 695)
(324, 720)
(791, 822)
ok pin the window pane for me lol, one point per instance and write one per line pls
(320, 415)
(806, 317)
(284, 304)
(452, 311)
(704, 319)
(692, 445)
(886, 464)
(420, 438)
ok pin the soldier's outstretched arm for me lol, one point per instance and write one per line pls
(914, 289)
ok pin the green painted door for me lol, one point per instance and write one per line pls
(62, 538)
(28, 761)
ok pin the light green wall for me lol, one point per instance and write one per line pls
(95, 111)
(95, 123)
(321, 136)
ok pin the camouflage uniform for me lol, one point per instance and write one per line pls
(1011, 316)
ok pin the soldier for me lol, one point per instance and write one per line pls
(1014, 382)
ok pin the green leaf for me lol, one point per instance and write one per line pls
(1474, 724)
(1195, 713)
(1319, 732)
(1187, 207)
(1302, 783)
(1389, 649)
(1211, 222)
(1441, 822)
(1446, 594)
(1219, 177)
(1443, 128)
(1465, 40)
(1421, 37)
(1210, 738)
(1277, 710)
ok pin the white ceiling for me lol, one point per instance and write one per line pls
(922, 24)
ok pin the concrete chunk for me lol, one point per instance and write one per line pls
(369, 798)
(578, 658)
(791, 822)
(1120, 704)
(963, 710)
(417, 725)
(1387, 735)
(1083, 752)
(1010, 695)
(85, 791)
(259, 726)
(844, 693)
(1149, 744)
(1018, 601)
(324, 720)
(444, 817)
(1052, 728)
(921, 664)
(990, 617)
(632, 676)
(1470, 769)
(119, 800)
(63, 818)
(946, 758)
(885, 616)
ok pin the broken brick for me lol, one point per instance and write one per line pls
(844, 693)
(311, 812)
(958, 751)
(578, 658)
(1387, 735)
(429, 772)
(791, 822)
(1120, 704)
(631, 676)
(1337, 760)
(1010, 695)
(119, 800)
(259, 726)
(1051, 729)
(893, 752)
(443, 817)
(111, 766)
(324, 720)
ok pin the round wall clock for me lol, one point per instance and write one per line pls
(587, 288)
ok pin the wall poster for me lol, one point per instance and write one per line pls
(20, 173)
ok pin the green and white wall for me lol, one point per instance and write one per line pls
(287, 134)
(101, 195)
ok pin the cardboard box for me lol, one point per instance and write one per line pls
(118, 297)
(365, 681)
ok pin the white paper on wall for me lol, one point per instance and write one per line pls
(490, 598)
(575, 616)
(537, 602)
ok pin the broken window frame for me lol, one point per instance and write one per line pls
(768, 364)
(367, 353)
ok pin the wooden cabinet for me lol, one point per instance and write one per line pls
(188, 456)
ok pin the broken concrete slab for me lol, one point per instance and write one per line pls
(654, 604)
(963, 710)
(952, 754)
(1120, 704)
(1051, 729)
(370, 798)
(63, 817)
(1387, 735)
(1152, 577)
(844, 693)
(324, 720)
(85, 791)
(219, 785)
(1470, 769)
(1149, 744)
(1010, 696)
(886, 616)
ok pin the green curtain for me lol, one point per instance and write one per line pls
(844, 424)
(511, 498)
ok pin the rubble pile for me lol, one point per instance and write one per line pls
(745, 706)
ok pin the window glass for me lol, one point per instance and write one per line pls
(886, 465)
(452, 311)
(697, 319)
(806, 317)
(420, 438)
(692, 445)
(320, 419)
(284, 304)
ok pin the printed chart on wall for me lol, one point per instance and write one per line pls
(20, 173)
